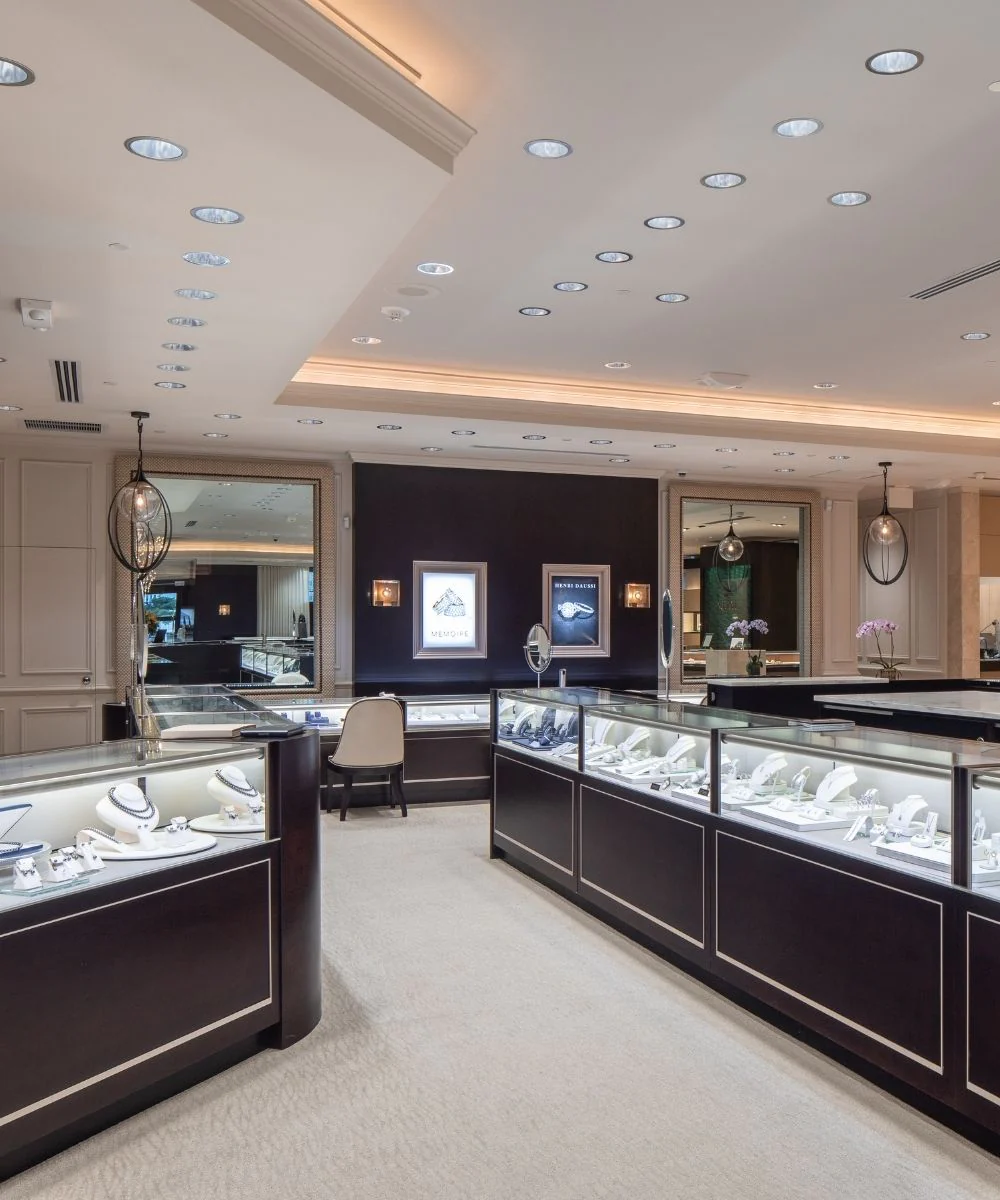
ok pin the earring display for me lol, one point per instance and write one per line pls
(26, 877)
(241, 806)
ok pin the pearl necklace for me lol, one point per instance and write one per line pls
(147, 815)
(249, 790)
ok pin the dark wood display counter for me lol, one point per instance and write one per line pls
(120, 993)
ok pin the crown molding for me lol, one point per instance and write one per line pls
(562, 394)
(312, 45)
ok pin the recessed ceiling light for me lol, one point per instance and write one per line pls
(996, 403)
(723, 179)
(157, 149)
(727, 450)
(169, 383)
(195, 294)
(664, 445)
(548, 148)
(570, 286)
(171, 367)
(217, 216)
(976, 336)
(367, 340)
(777, 524)
(839, 457)
(117, 246)
(310, 421)
(663, 222)
(782, 453)
(618, 460)
(825, 387)
(784, 470)
(995, 87)
(894, 62)
(15, 74)
(672, 297)
(187, 322)
(796, 127)
(534, 312)
(600, 441)
(849, 199)
(431, 449)
(533, 437)
(215, 435)
(434, 268)
(228, 417)
(617, 366)
(2, 360)
(463, 433)
(183, 346)
(389, 427)
(613, 256)
(205, 258)
(10, 408)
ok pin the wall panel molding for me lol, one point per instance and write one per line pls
(57, 611)
(52, 727)
(56, 503)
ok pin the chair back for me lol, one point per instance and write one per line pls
(372, 735)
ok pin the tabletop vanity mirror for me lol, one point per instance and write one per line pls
(742, 563)
(667, 630)
(538, 650)
(238, 599)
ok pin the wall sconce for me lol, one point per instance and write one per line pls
(385, 593)
(637, 595)
(223, 610)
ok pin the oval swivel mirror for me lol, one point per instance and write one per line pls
(538, 650)
(667, 631)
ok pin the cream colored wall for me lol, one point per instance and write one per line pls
(55, 611)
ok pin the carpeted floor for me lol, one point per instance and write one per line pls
(483, 1040)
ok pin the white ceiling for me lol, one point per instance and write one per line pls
(784, 287)
(705, 522)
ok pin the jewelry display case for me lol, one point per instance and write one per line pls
(844, 882)
(543, 722)
(446, 746)
(180, 878)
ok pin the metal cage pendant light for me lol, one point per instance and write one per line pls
(886, 546)
(140, 530)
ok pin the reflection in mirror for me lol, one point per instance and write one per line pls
(751, 579)
(667, 631)
(233, 602)
(538, 650)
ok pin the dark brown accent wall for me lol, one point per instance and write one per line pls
(514, 521)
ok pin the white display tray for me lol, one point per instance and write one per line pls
(129, 853)
(934, 858)
(795, 819)
(216, 823)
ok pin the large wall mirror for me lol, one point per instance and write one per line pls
(245, 595)
(742, 565)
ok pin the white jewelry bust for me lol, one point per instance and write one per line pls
(231, 789)
(131, 814)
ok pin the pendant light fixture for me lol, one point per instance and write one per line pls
(140, 530)
(731, 547)
(886, 547)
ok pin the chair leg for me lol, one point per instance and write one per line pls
(396, 787)
(328, 798)
(345, 799)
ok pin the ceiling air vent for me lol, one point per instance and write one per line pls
(63, 426)
(947, 285)
(68, 380)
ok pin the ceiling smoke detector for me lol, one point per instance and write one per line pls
(36, 314)
(394, 312)
(727, 381)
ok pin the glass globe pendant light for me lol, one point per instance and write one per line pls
(886, 547)
(731, 547)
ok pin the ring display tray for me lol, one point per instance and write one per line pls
(805, 817)
(47, 888)
(934, 858)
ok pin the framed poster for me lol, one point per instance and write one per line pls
(449, 610)
(576, 609)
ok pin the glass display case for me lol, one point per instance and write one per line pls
(98, 815)
(544, 722)
(185, 710)
(419, 712)
(870, 793)
(660, 748)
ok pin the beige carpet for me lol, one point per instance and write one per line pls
(484, 1040)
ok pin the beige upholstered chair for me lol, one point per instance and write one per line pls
(371, 743)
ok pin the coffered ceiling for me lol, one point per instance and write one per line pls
(347, 187)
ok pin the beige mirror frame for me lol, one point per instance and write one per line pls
(320, 477)
(811, 650)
